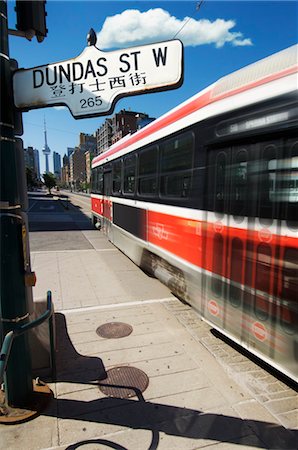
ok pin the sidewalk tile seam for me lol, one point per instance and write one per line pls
(100, 351)
(114, 306)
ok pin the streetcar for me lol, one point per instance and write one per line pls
(206, 199)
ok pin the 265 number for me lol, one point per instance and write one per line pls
(90, 102)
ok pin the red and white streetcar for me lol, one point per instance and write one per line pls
(206, 198)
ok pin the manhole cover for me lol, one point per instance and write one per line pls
(114, 330)
(124, 382)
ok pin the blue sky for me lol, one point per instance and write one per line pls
(218, 38)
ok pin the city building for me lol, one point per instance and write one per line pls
(80, 161)
(36, 163)
(87, 142)
(143, 120)
(57, 165)
(77, 168)
(118, 126)
(31, 157)
(126, 122)
(70, 150)
(65, 175)
(88, 160)
(104, 136)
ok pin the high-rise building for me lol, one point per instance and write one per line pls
(65, 171)
(31, 157)
(118, 126)
(87, 143)
(57, 165)
(77, 167)
(70, 150)
(127, 122)
(46, 150)
(88, 160)
(104, 136)
(65, 160)
(143, 120)
(36, 163)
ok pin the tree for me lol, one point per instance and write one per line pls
(49, 181)
(31, 178)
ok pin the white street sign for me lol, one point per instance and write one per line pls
(90, 84)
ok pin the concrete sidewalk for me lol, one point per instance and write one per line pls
(201, 393)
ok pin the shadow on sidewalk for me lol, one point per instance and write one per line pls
(55, 213)
(71, 366)
(139, 414)
(175, 421)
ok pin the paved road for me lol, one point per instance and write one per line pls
(59, 222)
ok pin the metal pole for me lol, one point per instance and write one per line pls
(13, 302)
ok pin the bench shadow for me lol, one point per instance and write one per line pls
(71, 366)
(139, 414)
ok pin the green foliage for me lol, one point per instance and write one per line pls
(49, 180)
(84, 186)
(31, 178)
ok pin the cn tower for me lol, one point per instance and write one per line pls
(46, 150)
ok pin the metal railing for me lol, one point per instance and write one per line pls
(18, 331)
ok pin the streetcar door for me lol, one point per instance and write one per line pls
(107, 204)
(270, 325)
(226, 236)
(216, 244)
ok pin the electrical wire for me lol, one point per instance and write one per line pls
(50, 128)
(198, 6)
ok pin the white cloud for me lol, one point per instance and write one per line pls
(132, 27)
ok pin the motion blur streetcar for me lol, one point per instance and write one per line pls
(206, 199)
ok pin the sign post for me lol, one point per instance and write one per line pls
(90, 84)
(13, 300)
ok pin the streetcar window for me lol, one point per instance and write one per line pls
(289, 288)
(220, 182)
(263, 266)
(117, 165)
(99, 180)
(284, 185)
(217, 265)
(94, 180)
(236, 272)
(176, 166)
(239, 184)
(292, 205)
(148, 171)
(129, 167)
(267, 182)
(107, 179)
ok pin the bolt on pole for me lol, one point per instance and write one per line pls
(13, 301)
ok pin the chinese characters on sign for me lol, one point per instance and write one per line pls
(90, 84)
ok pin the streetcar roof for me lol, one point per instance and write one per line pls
(253, 76)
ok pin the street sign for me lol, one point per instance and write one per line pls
(90, 84)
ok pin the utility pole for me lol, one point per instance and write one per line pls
(15, 274)
(13, 301)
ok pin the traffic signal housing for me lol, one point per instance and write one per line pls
(31, 16)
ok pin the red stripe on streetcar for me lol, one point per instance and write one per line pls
(191, 107)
